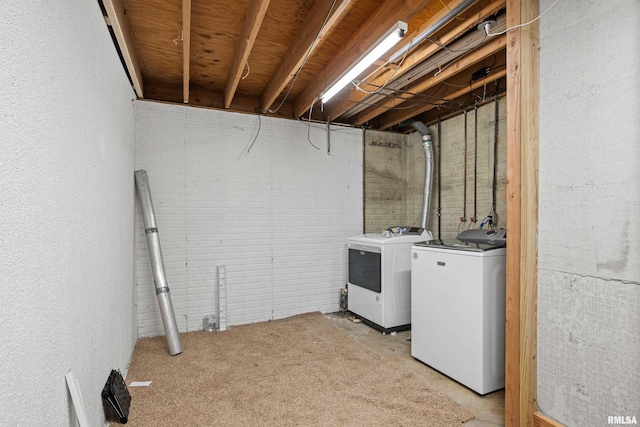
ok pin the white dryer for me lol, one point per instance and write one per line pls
(380, 277)
(458, 311)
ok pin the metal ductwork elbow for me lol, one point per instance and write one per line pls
(428, 169)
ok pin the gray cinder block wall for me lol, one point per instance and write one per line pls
(385, 187)
(394, 174)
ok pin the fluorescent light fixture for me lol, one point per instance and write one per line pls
(385, 43)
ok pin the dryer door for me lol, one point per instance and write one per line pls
(364, 268)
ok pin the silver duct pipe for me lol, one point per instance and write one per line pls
(428, 169)
(157, 266)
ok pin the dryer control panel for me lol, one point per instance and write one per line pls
(400, 230)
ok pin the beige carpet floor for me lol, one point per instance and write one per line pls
(299, 371)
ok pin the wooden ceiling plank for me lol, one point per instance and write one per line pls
(122, 30)
(490, 48)
(186, 48)
(387, 15)
(253, 21)
(312, 31)
(419, 55)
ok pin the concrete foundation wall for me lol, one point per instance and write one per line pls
(589, 235)
(395, 168)
(384, 185)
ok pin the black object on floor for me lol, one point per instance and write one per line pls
(116, 398)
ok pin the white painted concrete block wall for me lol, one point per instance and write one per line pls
(589, 235)
(277, 217)
(66, 210)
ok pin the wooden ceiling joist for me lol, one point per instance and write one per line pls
(492, 77)
(186, 48)
(293, 54)
(397, 116)
(387, 15)
(342, 106)
(252, 23)
(122, 30)
(315, 27)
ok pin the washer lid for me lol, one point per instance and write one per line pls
(458, 245)
(379, 239)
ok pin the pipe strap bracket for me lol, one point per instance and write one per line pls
(150, 230)
(163, 290)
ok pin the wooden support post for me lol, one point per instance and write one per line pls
(522, 213)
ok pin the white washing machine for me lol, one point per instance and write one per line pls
(380, 277)
(458, 311)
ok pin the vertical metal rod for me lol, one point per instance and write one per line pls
(438, 150)
(328, 137)
(157, 265)
(364, 169)
(475, 166)
(464, 186)
(495, 156)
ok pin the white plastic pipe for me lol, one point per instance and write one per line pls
(157, 266)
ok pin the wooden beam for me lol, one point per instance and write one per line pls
(396, 116)
(432, 116)
(122, 30)
(186, 48)
(420, 54)
(252, 23)
(309, 38)
(389, 12)
(450, 97)
(540, 420)
(201, 96)
(522, 203)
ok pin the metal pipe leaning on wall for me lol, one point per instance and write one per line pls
(157, 265)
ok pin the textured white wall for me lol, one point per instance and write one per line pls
(278, 217)
(66, 210)
(589, 234)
